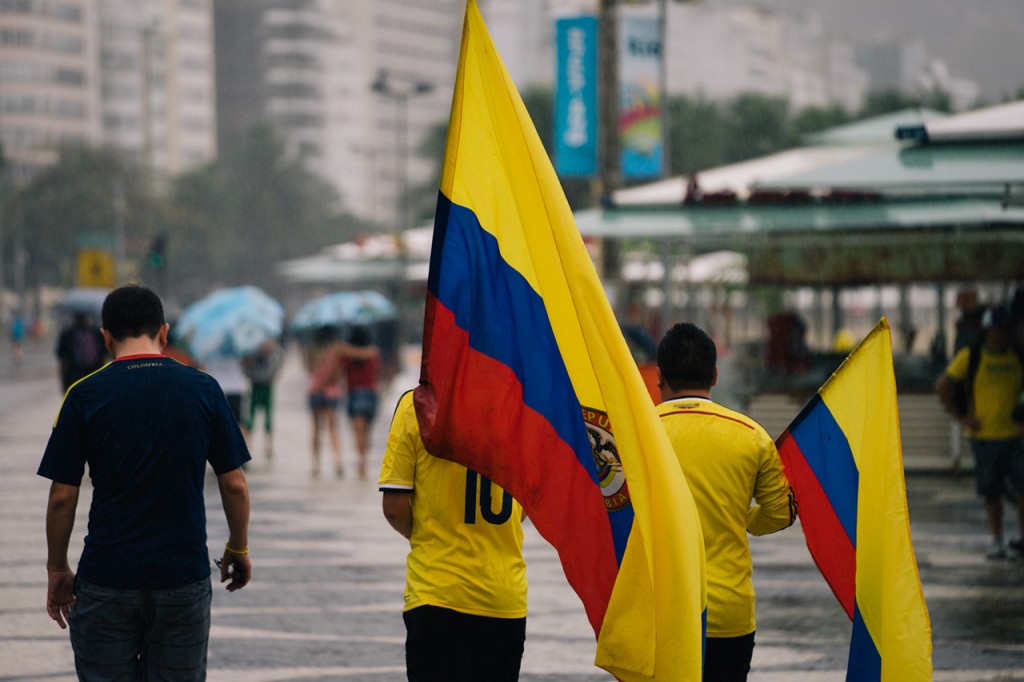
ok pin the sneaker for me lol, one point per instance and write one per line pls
(1017, 546)
(996, 551)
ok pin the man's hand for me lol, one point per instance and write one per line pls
(970, 422)
(60, 595)
(237, 568)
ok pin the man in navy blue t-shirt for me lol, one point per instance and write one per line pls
(146, 425)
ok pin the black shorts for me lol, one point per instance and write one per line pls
(443, 645)
(727, 659)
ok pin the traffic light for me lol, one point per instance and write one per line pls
(157, 252)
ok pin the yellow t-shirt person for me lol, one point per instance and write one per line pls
(467, 536)
(728, 460)
(997, 388)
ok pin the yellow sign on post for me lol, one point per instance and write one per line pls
(96, 268)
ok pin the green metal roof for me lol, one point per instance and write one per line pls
(935, 239)
(913, 211)
(959, 166)
(876, 129)
(726, 226)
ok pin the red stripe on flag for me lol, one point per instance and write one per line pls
(476, 406)
(827, 541)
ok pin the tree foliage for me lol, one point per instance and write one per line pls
(237, 217)
(73, 205)
(227, 223)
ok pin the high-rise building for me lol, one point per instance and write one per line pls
(906, 66)
(352, 85)
(134, 74)
(156, 77)
(720, 52)
(49, 92)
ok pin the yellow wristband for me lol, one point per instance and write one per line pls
(236, 552)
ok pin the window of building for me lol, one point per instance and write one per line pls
(15, 38)
(16, 6)
(68, 44)
(67, 11)
(21, 72)
(70, 108)
(18, 104)
(70, 76)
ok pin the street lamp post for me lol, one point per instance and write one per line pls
(400, 91)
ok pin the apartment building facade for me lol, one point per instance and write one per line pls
(352, 85)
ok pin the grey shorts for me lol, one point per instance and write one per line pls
(997, 462)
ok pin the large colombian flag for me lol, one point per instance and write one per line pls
(526, 379)
(843, 457)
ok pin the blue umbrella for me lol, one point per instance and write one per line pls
(229, 323)
(343, 308)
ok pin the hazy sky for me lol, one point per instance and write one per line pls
(978, 39)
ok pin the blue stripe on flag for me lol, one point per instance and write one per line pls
(865, 664)
(827, 451)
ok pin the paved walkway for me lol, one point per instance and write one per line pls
(327, 594)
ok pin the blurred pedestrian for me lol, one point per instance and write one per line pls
(362, 379)
(727, 459)
(325, 360)
(80, 350)
(465, 591)
(18, 332)
(323, 394)
(261, 368)
(229, 375)
(146, 426)
(980, 389)
(968, 332)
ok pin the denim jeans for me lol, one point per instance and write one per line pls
(141, 634)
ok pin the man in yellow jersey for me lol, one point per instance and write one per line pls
(993, 373)
(728, 460)
(465, 591)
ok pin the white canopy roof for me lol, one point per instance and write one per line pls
(1004, 121)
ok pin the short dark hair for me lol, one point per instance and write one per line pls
(687, 358)
(132, 311)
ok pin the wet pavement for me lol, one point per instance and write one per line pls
(325, 602)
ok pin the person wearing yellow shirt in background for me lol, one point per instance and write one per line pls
(728, 460)
(465, 592)
(993, 373)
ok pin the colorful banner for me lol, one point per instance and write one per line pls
(526, 379)
(640, 106)
(576, 123)
(844, 460)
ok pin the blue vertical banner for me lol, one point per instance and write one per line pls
(640, 106)
(576, 126)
